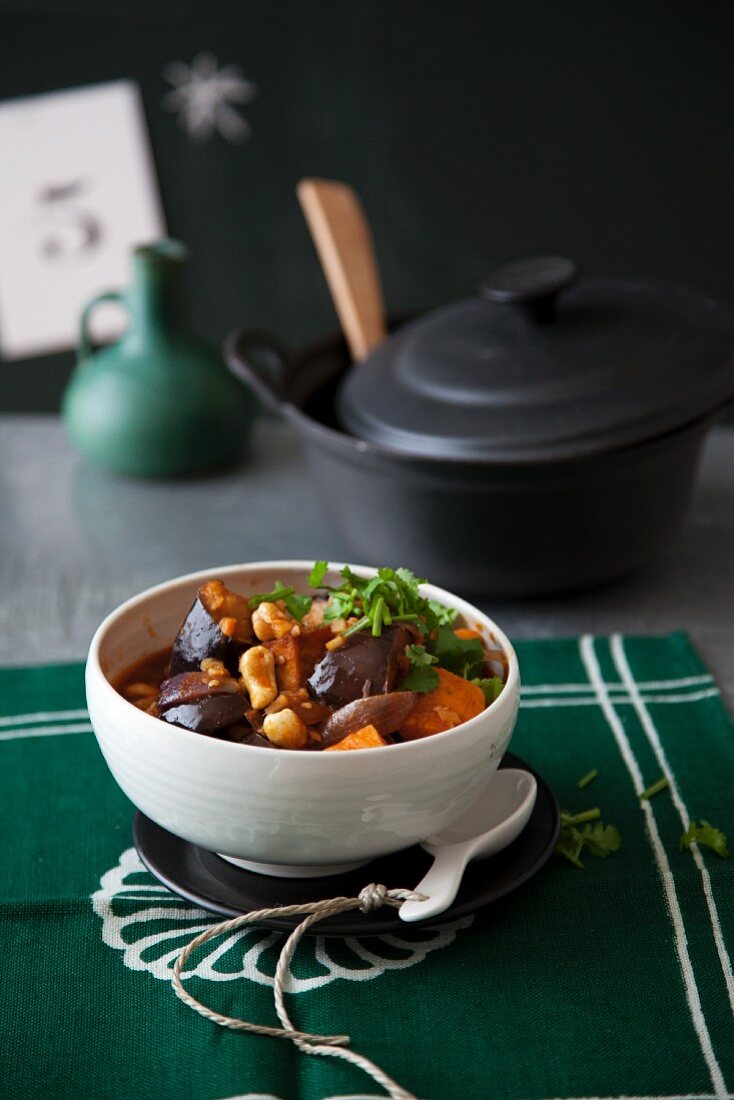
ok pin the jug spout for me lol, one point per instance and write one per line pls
(155, 296)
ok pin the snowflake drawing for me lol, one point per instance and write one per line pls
(150, 927)
(205, 96)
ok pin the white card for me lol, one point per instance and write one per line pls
(77, 191)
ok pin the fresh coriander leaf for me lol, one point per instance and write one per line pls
(570, 845)
(298, 604)
(462, 656)
(294, 602)
(421, 676)
(655, 788)
(341, 607)
(588, 778)
(601, 839)
(420, 679)
(445, 616)
(351, 578)
(279, 593)
(706, 834)
(318, 573)
(419, 656)
(491, 687)
(409, 579)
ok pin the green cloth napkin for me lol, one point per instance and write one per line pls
(614, 981)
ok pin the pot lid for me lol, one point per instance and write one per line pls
(544, 365)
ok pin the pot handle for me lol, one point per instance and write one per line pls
(260, 361)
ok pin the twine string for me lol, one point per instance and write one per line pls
(370, 898)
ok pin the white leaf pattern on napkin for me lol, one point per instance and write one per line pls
(150, 926)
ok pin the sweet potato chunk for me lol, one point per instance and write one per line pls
(366, 738)
(296, 656)
(454, 701)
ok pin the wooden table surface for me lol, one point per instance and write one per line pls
(75, 542)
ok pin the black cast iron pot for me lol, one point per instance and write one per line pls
(545, 484)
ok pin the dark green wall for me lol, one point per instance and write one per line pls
(475, 132)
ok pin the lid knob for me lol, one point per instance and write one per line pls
(532, 284)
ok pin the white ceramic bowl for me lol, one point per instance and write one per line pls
(289, 812)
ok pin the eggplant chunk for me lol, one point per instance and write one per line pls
(363, 665)
(201, 634)
(192, 687)
(208, 715)
(245, 735)
(385, 712)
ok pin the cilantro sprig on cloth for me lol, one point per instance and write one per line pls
(705, 834)
(600, 839)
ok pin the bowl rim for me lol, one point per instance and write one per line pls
(94, 667)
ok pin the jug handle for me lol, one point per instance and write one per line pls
(85, 347)
(261, 361)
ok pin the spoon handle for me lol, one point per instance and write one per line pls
(440, 884)
(343, 241)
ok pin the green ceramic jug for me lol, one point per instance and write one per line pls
(159, 402)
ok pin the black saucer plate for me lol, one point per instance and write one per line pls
(209, 881)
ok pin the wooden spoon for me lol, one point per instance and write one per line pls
(344, 243)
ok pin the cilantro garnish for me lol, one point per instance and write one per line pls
(317, 574)
(421, 676)
(419, 656)
(445, 616)
(294, 602)
(420, 680)
(491, 687)
(705, 834)
(654, 788)
(278, 593)
(581, 818)
(298, 605)
(463, 656)
(391, 596)
(600, 839)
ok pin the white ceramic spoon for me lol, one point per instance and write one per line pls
(491, 823)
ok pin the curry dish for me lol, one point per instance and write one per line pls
(362, 664)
